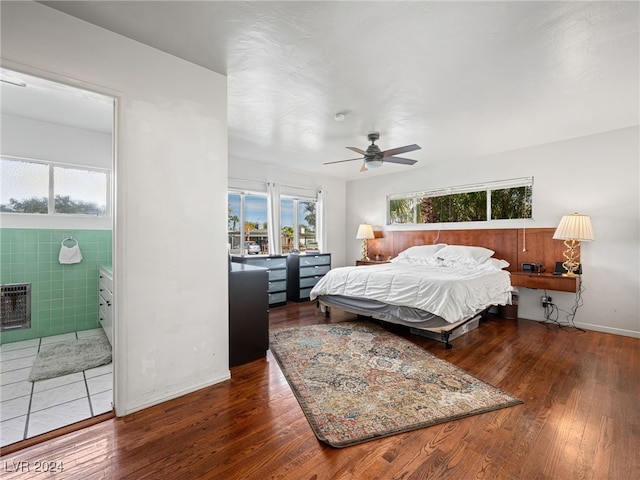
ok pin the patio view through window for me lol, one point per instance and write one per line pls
(248, 223)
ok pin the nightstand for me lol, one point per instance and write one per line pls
(370, 262)
(546, 281)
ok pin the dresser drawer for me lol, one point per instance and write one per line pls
(277, 274)
(277, 286)
(304, 293)
(266, 262)
(280, 297)
(307, 282)
(310, 260)
(312, 271)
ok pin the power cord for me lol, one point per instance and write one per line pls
(552, 312)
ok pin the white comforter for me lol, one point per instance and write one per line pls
(451, 293)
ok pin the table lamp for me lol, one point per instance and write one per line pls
(365, 232)
(573, 229)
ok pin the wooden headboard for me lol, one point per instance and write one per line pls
(515, 245)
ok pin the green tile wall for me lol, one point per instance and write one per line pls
(64, 298)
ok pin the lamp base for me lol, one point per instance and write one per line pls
(572, 256)
(364, 250)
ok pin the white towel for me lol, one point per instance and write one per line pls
(70, 254)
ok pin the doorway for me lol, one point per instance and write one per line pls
(57, 170)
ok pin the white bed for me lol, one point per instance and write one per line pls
(437, 288)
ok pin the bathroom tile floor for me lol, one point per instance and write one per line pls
(28, 408)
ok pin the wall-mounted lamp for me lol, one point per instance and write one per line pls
(365, 232)
(573, 229)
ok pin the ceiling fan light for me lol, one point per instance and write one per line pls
(373, 164)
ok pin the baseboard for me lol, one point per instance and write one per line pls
(598, 328)
(614, 331)
(126, 410)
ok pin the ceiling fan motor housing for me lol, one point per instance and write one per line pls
(373, 150)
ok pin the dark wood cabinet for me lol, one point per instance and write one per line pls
(276, 265)
(303, 272)
(248, 313)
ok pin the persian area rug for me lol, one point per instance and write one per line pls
(357, 382)
(70, 356)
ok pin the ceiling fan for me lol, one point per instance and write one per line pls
(374, 157)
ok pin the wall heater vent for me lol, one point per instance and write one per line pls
(15, 306)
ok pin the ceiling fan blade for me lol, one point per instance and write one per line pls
(357, 150)
(405, 149)
(402, 161)
(340, 161)
(364, 167)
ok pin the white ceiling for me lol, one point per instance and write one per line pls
(460, 79)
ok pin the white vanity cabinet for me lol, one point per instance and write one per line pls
(105, 301)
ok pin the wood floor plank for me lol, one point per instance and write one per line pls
(580, 419)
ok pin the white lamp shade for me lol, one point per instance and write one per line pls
(365, 232)
(574, 227)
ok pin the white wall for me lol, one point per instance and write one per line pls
(171, 176)
(597, 175)
(335, 198)
(36, 140)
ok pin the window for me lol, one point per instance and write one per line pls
(247, 223)
(509, 199)
(297, 223)
(37, 187)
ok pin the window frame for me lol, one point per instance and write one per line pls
(242, 219)
(296, 217)
(51, 191)
(288, 195)
(488, 187)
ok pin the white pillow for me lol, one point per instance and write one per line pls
(463, 254)
(493, 264)
(422, 254)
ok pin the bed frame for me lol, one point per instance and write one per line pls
(326, 303)
(515, 245)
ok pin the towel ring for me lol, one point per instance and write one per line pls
(70, 239)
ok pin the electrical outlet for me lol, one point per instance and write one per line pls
(546, 301)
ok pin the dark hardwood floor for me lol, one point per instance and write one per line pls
(580, 420)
